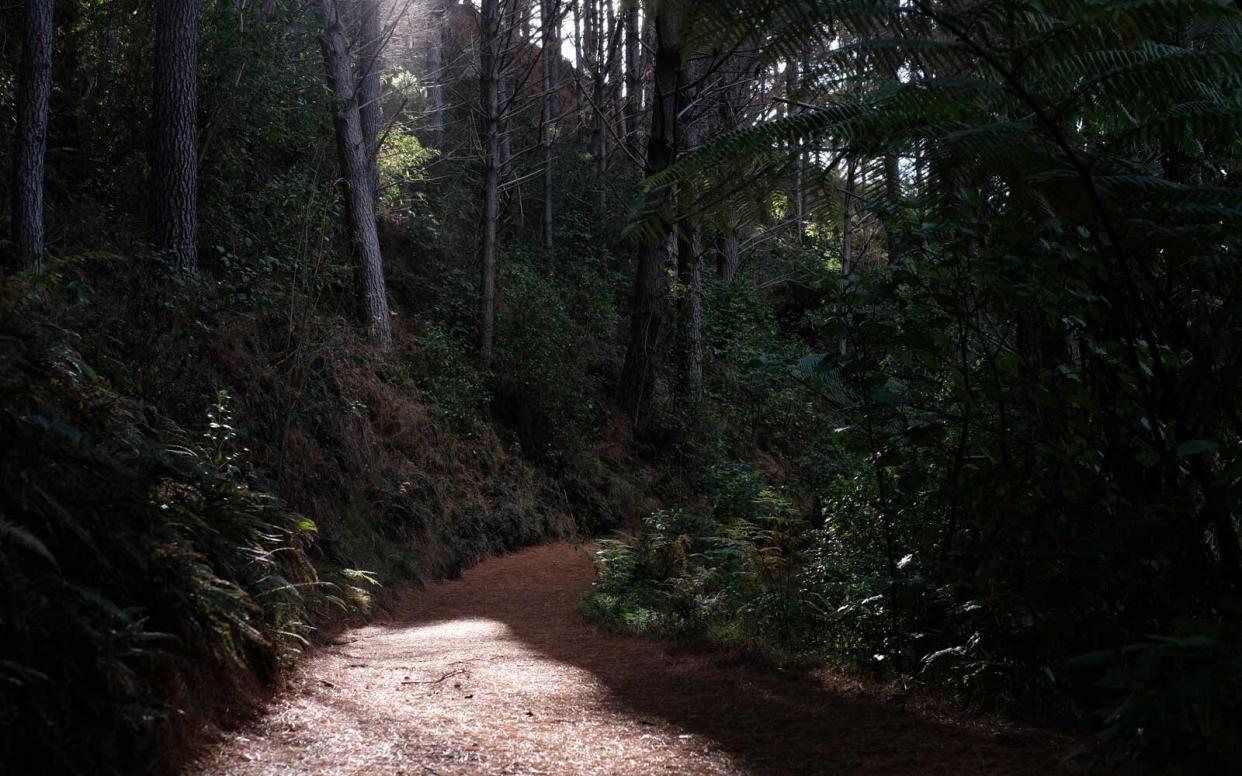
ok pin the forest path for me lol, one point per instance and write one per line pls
(497, 673)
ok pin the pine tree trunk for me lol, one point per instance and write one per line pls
(356, 179)
(690, 314)
(898, 235)
(730, 255)
(488, 91)
(579, 66)
(797, 204)
(176, 131)
(648, 301)
(34, 91)
(847, 234)
(633, 79)
(435, 73)
(551, 83)
(689, 268)
(597, 35)
(504, 99)
(370, 68)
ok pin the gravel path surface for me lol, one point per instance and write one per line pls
(497, 673)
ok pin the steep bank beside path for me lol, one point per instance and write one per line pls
(497, 673)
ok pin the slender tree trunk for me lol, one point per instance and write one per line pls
(730, 254)
(435, 72)
(646, 64)
(176, 131)
(370, 68)
(489, 24)
(590, 48)
(504, 97)
(847, 221)
(34, 91)
(356, 179)
(551, 83)
(690, 314)
(593, 43)
(689, 250)
(797, 203)
(898, 235)
(579, 64)
(847, 234)
(648, 301)
(607, 71)
(633, 78)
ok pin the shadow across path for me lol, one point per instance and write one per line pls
(497, 673)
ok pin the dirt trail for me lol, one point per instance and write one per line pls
(497, 673)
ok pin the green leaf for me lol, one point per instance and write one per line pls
(1195, 447)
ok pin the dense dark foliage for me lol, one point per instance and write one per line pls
(1036, 391)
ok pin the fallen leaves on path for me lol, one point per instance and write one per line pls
(497, 673)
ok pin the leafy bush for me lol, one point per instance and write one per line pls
(443, 371)
(734, 574)
(552, 338)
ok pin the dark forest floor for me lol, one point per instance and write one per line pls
(498, 673)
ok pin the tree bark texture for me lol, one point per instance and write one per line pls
(370, 86)
(690, 312)
(176, 131)
(730, 254)
(633, 79)
(689, 250)
(847, 234)
(549, 17)
(33, 93)
(797, 195)
(356, 180)
(435, 72)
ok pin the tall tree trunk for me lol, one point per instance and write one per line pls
(797, 201)
(690, 314)
(898, 233)
(847, 234)
(504, 98)
(579, 64)
(648, 301)
(633, 78)
(356, 179)
(730, 253)
(549, 18)
(489, 28)
(34, 91)
(176, 131)
(599, 149)
(435, 72)
(689, 263)
(370, 68)
(646, 63)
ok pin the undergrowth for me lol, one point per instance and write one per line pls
(142, 563)
(186, 496)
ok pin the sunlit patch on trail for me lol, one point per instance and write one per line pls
(498, 673)
(467, 628)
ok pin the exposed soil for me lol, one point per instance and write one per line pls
(497, 673)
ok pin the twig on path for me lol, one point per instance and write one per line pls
(437, 681)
